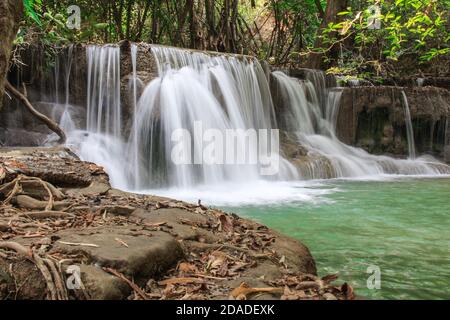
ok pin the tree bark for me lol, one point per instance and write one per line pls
(331, 15)
(10, 15)
(319, 9)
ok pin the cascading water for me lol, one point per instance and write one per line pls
(103, 96)
(225, 93)
(420, 82)
(198, 90)
(66, 120)
(102, 142)
(409, 127)
(134, 141)
(317, 132)
(61, 109)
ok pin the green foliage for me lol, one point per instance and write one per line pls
(416, 28)
(281, 31)
(30, 9)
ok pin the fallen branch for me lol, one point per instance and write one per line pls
(122, 242)
(79, 244)
(155, 225)
(52, 125)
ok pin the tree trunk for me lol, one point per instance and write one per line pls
(211, 24)
(331, 15)
(10, 15)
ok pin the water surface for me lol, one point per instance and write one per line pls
(402, 226)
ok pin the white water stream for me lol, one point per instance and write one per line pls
(223, 93)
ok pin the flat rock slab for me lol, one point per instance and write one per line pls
(58, 166)
(137, 254)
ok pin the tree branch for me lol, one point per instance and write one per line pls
(52, 125)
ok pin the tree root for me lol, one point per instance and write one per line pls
(26, 202)
(21, 184)
(15, 190)
(47, 215)
(59, 283)
(48, 269)
(21, 250)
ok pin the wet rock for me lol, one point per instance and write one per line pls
(373, 118)
(447, 154)
(21, 137)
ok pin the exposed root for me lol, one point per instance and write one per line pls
(39, 262)
(15, 190)
(26, 202)
(59, 283)
(48, 269)
(48, 215)
(21, 250)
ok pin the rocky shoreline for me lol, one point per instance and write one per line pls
(65, 233)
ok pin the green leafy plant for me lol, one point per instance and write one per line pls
(414, 28)
(30, 9)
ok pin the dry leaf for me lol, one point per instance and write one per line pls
(187, 267)
(216, 260)
(348, 291)
(289, 294)
(330, 278)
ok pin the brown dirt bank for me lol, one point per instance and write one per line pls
(59, 215)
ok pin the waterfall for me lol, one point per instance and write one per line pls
(61, 110)
(101, 141)
(316, 130)
(409, 127)
(103, 96)
(420, 82)
(66, 122)
(134, 141)
(229, 95)
(223, 93)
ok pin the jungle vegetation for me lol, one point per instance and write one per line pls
(364, 37)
